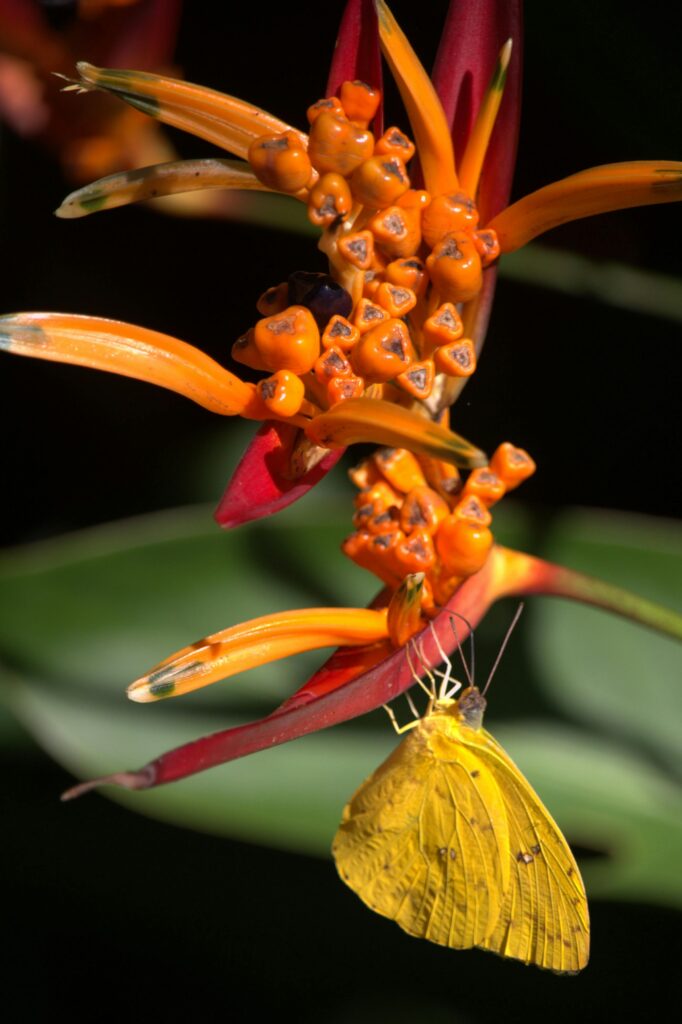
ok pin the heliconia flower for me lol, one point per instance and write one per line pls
(379, 349)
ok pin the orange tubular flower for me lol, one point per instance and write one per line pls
(380, 348)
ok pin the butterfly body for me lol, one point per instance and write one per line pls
(449, 839)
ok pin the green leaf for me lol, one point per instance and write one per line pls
(602, 669)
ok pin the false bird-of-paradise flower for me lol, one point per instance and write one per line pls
(419, 527)
(378, 349)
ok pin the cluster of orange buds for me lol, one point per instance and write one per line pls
(401, 262)
(415, 514)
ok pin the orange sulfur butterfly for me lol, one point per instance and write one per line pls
(448, 839)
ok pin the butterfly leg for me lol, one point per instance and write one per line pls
(448, 686)
(400, 729)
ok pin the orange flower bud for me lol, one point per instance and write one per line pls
(407, 273)
(404, 617)
(417, 552)
(339, 389)
(395, 300)
(472, 510)
(487, 245)
(485, 484)
(329, 199)
(442, 327)
(400, 467)
(462, 546)
(383, 522)
(423, 509)
(373, 553)
(282, 393)
(414, 199)
(359, 101)
(457, 359)
(329, 105)
(383, 352)
(337, 145)
(443, 477)
(418, 379)
(446, 215)
(332, 363)
(368, 315)
(340, 333)
(370, 285)
(455, 268)
(358, 249)
(379, 181)
(364, 474)
(244, 351)
(281, 162)
(288, 340)
(379, 494)
(273, 300)
(397, 231)
(512, 465)
(395, 143)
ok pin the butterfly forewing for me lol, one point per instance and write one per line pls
(544, 919)
(425, 842)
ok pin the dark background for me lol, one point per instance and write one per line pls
(170, 923)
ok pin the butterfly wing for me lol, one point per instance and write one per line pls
(424, 840)
(544, 919)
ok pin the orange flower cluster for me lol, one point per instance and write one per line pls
(390, 318)
(414, 514)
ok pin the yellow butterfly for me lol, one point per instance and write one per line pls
(448, 839)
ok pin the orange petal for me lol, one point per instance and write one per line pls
(224, 120)
(258, 642)
(379, 422)
(429, 124)
(597, 190)
(130, 351)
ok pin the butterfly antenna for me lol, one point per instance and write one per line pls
(469, 671)
(502, 647)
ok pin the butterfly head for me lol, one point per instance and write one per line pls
(471, 707)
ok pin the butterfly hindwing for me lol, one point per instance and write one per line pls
(424, 841)
(544, 919)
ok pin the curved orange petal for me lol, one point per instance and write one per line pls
(597, 190)
(130, 351)
(224, 120)
(257, 642)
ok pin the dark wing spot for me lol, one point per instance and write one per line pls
(524, 858)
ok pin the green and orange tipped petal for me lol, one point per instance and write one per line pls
(258, 642)
(130, 351)
(380, 422)
(404, 618)
(597, 190)
(223, 120)
(477, 146)
(167, 179)
(429, 124)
